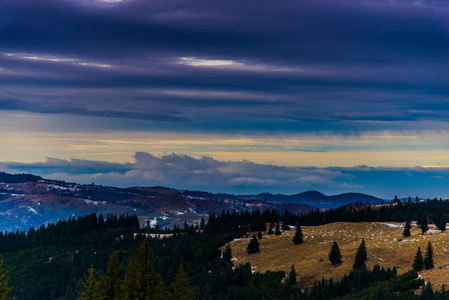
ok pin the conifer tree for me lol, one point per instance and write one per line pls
(360, 257)
(427, 292)
(298, 238)
(418, 263)
(292, 276)
(440, 220)
(4, 288)
(442, 223)
(203, 223)
(182, 290)
(277, 231)
(334, 254)
(91, 287)
(142, 282)
(227, 253)
(422, 222)
(259, 235)
(253, 246)
(407, 226)
(112, 281)
(428, 260)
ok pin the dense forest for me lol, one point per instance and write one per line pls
(55, 261)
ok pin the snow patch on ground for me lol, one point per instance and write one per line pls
(31, 209)
(91, 202)
(394, 225)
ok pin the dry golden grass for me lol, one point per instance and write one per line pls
(384, 242)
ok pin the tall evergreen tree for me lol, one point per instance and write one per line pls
(428, 260)
(442, 223)
(439, 220)
(227, 253)
(292, 276)
(91, 287)
(277, 231)
(334, 254)
(4, 288)
(427, 292)
(422, 221)
(202, 224)
(360, 257)
(112, 281)
(418, 263)
(407, 226)
(182, 290)
(298, 238)
(142, 282)
(253, 246)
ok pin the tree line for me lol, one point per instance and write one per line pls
(52, 262)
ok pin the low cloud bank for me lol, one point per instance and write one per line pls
(242, 177)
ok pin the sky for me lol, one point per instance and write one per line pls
(232, 96)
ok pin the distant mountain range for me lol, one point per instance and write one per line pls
(319, 200)
(28, 200)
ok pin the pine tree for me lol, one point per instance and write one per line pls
(428, 260)
(298, 238)
(91, 287)
(253, 246)
(360, 257)
(422, 222)
(418, 263)
(443, 222)
(203, 223)
(112, 281)
(259, 235)
(407, 226)
(227, 253)
(182, 290)
(277, 231)
(4, 288)
(292, 276)
(440, 221)
(334, 254)
(142, 282)
(427, 292)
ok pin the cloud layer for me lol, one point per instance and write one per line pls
(245, 66)
(242, 177)
(327, 79)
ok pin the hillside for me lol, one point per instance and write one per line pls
(384, 242)
(25, 204)
(317, 199)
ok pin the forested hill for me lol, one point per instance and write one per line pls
(320, 200)
(29, 201)
(52, 262)
(18, 178)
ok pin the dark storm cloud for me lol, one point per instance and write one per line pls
(207, 173)
(11, 104)
(321, 65)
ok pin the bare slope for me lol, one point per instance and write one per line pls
(384, 242)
